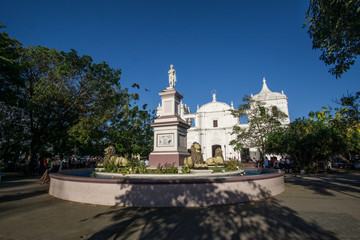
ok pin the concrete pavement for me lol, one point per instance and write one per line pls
(323, 206)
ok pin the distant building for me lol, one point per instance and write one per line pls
(213, 122)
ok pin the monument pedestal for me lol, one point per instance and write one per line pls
(167, 158)
(169, 131)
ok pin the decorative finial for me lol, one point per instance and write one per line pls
(265, 88)
(282, 92)
(197, 107)
(214, 95)
(232, 104)
(172, 76)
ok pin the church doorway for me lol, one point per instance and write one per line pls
(245, 155)
(214, 147)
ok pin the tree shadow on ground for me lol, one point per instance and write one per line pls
(323, 184)
(265, 219)
(20, 189)
(186, 194)
(13, 183)
(17, 197)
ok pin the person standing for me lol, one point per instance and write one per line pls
(266, 162)
(287, 165)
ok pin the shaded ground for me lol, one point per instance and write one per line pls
(312, 207)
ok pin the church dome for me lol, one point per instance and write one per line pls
(214, 106)
(266, 94)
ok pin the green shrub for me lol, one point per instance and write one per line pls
(185, 170)
(135, 166)
(141, 168)
(233, 165)
(217, 170)
(110, 167)
(167, 169)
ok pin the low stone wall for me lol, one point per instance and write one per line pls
(190, 192)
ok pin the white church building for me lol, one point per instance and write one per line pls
(212, 123)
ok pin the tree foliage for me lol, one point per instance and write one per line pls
(334, 26)
(66, 96)
(9, 68)
(131, 131)
(307, 142)
(324, 134)
(262, 120)
(11, 115)
(61, 102)
(346, 119)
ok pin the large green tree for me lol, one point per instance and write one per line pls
(68, 98)
(61, 102)
(131, 132)
(324, 134)
(345, 119)
(262, 120)
(308, 143)
(10, 82)
(334, 26)
(11, 115)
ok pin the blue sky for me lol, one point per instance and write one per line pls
(227, 46)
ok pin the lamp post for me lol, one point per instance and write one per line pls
(225, 151)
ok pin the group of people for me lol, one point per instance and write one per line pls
(53, 165)
(71, 162)
(284, 163)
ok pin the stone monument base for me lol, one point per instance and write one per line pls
(176, 158)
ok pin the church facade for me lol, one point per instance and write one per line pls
(213, 123)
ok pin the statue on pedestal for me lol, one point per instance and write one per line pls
(172, 76)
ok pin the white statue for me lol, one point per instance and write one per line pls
(214, 95)
(172, 76)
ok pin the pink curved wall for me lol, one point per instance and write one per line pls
(166, 192)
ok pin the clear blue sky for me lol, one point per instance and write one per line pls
(227, 46)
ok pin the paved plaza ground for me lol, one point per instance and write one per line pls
(325, 206)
